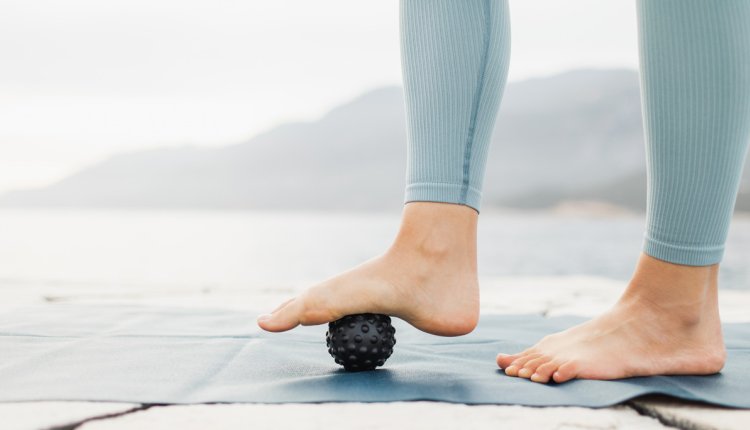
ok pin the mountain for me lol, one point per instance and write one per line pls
(573, 136)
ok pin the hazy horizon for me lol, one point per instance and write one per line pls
(83, 80)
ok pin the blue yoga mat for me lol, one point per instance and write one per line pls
(177, 355)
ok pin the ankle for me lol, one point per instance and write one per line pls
(437, 231)
(676, 315)
(685, 295)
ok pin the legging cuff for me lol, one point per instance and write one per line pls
(682, 254)
(443, 192)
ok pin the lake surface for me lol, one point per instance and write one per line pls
(268, 250)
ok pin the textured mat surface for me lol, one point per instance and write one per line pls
(174, 355)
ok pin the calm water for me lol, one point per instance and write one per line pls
(267, 250)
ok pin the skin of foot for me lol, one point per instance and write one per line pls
(666, 323)
(427, 277)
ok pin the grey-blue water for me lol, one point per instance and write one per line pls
(267, 250)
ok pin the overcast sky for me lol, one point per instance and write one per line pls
(82, 79)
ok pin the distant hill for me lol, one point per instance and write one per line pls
(573, 136)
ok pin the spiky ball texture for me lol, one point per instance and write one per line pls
(361, 341)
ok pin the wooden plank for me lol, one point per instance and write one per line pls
(364, 416)
(48, 415)
(692, 415)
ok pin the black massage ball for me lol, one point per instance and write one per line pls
(362, 341)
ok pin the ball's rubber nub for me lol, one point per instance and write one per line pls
(361, 341)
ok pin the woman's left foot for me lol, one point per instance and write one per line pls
(666, 323)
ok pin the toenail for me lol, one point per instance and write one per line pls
(525, 373)
(510, 368)
(264, 317)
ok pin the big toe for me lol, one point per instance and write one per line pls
(285, 317)
(504, 360)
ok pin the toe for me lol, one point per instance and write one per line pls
(539, 378)
(565, 372)
(543, 373)
(504, 360)
(522, 360)
(517, 364)
(530, 367)
(284, 318)
(511, 370)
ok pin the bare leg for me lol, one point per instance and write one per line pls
(455, 62)
(695, 82)
(666, 323)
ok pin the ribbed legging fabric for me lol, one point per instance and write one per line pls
(695, 89)
(454, 59)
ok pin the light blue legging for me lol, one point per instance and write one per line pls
(695, 87)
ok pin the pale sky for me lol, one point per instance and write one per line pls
(83, 79)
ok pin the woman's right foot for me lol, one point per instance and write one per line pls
(428, 277)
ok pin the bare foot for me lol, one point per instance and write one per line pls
(427, 277)
(666, 323)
